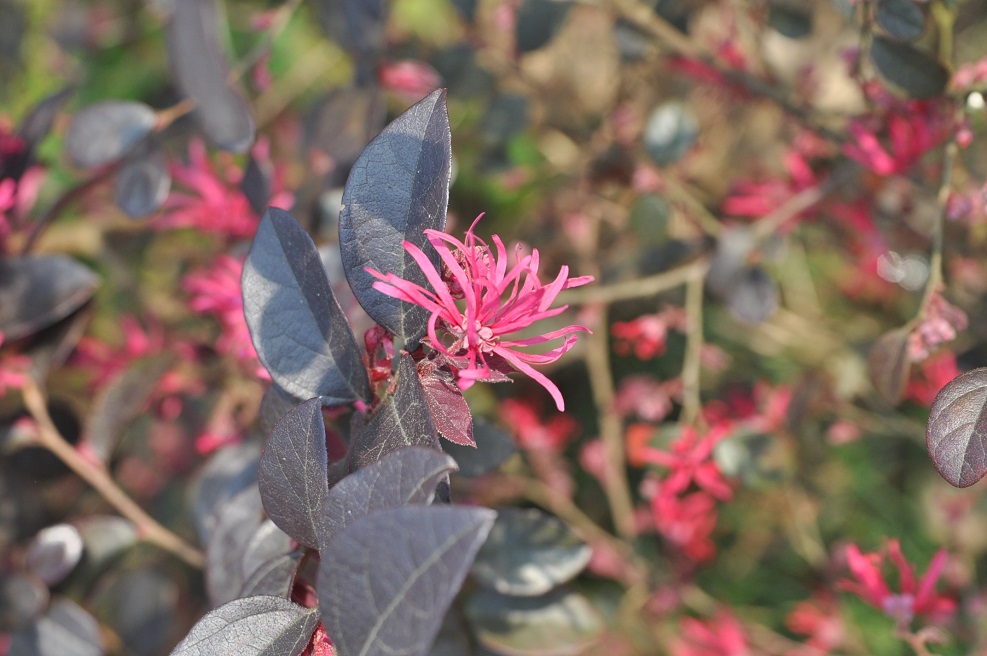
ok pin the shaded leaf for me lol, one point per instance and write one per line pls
(229, 471)
(106, 131)
(142, 183)
(104, 537)
(754, 296)
(360, 27)
(275, 404)
(256, 185)
(560, 623)
(22, 599)
(268, 542)
(37, 123)
(386, 581)
(398, 187)
(273, 577)
(404, 477)
(253, 626)
(917, 72)
(140, 606)
(38, 290)
(52, 346)
(902, 19)
(345, 121)
(450, 412)
(537, 21)
(54, 552)
(293, 476)
(401, 420)
(956, 435)
(888, 364)
(669, 133)
(300, 333)
(792, 19)
(65, 629)
(120, 402)
(493, 448)
(236, 521)
(202, 72)
(529, 552)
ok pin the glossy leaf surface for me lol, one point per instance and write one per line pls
(529, 552)
(398, 187)
(300, 333)
(917, 72)
(142, 183)
(253, 626)
(956, 434)
(54, 552)
(293, 477)
(403, 477)
(386, 581)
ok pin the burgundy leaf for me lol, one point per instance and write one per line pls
(956, 434)
(450, 412)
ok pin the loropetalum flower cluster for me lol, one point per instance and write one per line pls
(479, 303)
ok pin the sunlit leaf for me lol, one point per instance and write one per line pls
(38, 290)
(956, 434)
(106, 131)
(670, 132)
(54, 552)
(253, 626)
(450, 412)
(386, 581)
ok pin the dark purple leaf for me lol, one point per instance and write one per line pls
(403, 477)
(300, 332)
(293, 476)
(236, 521)
(902, 19)
(917, 72)
(386, 581)
(273, 577)
(400, 420)
(398, 187)
(454, 637)
(142, 183)
(670, 132)
(560, 623)
(65, 629)
(140, 606)
(888, 364)
(202, 71)
(120, 402)
(790, 18)
(956, 434)
(267, 542)
(450, 412)
(537, 22)
(54, 552)
(493, 447)
(104, 537)
(38, 290)
(754, 297)
(22, 600)
(360, 27)
(51, 347)
(345, 121)
(256, 185)
(529, 552)
(275, 404)
(37, 123)
(227, 473)
(105, 132)
(253, 626)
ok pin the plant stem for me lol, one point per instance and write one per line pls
(637, 288)
(147, 527)
(691, 365)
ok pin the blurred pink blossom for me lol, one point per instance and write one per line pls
(410, 79)
(939, 324)
(722, 635)
(645, 336)
(931, 376)
(818, 618)
(532, 432)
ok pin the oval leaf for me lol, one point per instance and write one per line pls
(386, 581)
(201, 69)
(404, 477)
(54, 552)
(493, 448)
(65, 629)
(449, 410)
(956, 434)
(267, 542)
(401, 420)
(253, 626)
(237, 519)
(106, 131)
(529, 552)
(670, 132)
(537, 22)
(888, 364)
(754, 296)
(398, 187)
(917, 72)
(273, 577)
(902, 19)
(22, 599)
(142, 183)
(38, 290)
(560, 623)
(300, 332)
(293, 476)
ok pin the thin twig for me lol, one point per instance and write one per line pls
(691, 401)
(638, 288)
(148, 528)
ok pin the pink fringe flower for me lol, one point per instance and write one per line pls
(498, 302)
